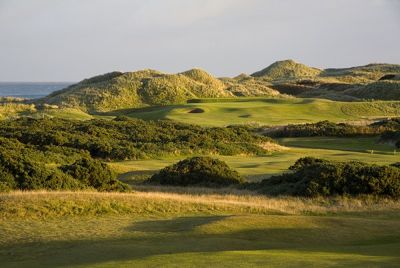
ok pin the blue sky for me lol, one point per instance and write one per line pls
(68, 40)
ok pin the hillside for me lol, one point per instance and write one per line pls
(148, 87)
(372, 81)
(287, 69)
(116, 90)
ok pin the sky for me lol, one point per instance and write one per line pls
(69, 40)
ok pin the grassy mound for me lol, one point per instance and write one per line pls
(198, 171)
(148, 87)
(118, 90)
(380, 90)
(287, 69)
(370, 72)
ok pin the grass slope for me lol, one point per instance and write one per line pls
(287, 69)
(148, 87)
(118, 90)
(222, 112)
(170, 230)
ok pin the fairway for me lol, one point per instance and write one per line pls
(365, 149)
(264, 111)
(172, 230)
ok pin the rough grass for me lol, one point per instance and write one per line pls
(14, 109)
(174, 201)
(202, 229)
(287, 69)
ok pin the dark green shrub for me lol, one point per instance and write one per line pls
(125, 138)
(7, 181)
(395, 165)
(327, 128)
(198, 171)
(93, 173)
(313, 177)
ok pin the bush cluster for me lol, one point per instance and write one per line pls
(318, 177)
(393, 136)
(125, 138)
(198, 171)
(25, 168)
(327, 128)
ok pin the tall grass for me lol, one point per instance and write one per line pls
(167, 201)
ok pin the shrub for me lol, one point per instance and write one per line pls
(25, 167)
(327, 128)
(125, 138)
(198, 171)
(313, 177)
(93, 173)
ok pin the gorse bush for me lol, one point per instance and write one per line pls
(96, 174)
(313, 177)
(26, 168)
(131, 138)
(61, 154)
(327, 128)
(392, 136)
(198, 171)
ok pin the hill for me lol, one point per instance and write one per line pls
(148, 87)
(117, 90)
(287, 69)
(373, 81)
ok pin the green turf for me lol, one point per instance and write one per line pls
(258, 167)
(267, 111)
(202, 241)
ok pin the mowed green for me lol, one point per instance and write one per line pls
(267, 111)
(208, 230)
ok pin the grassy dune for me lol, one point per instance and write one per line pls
(220, 112)
(142, 229)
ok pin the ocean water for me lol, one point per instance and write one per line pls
(30, 90)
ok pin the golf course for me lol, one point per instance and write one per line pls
(288, 165)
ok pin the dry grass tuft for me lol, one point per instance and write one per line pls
(169, 201)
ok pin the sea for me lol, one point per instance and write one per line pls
(30, 90)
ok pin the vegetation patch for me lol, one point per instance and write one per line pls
(125, 138)
(330, 129)
(198, 171)
(318, 177)
(24, 167)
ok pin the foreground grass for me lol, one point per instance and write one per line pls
(198, 228)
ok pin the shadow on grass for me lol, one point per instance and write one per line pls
(181, 224)
(179, 235)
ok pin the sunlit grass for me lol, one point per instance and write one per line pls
(265, 111)
(198, 228)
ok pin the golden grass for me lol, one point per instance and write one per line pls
(156, 201)
(13, 109)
